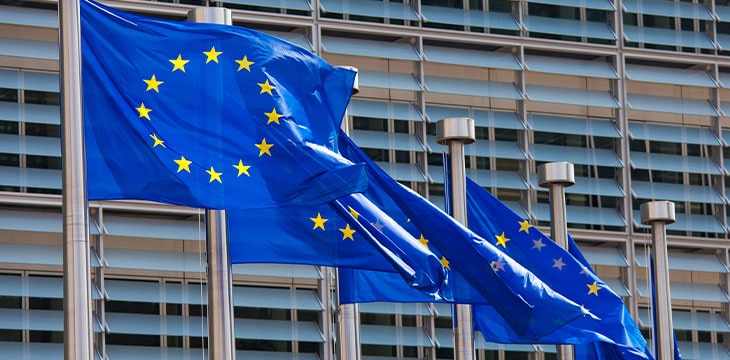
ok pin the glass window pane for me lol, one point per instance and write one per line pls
(173, 309)
(197, 310)
(45, 304)
(11, 335)
(377, 319)
(308, 315)
(10, 302)
(362, 123)
(505, 134)
(261, 313)
(8, 94)
(175, 341)
(9, 127)
(261, 345)
(9, 159)
(199, 343)
(42, 162)
(131, 307)
(309, 347)
(133, 340)
(46, 337)
(379, 350)
(41, 97)
(43, 130)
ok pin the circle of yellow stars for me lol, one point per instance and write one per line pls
(264, 147)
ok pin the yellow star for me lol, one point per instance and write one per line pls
(319, 222)
(214, 175)
(445, 263)
(525, 226)
(183, 164)
(423, 241)
(266, 87)
(347, 233)
(593, 288)
(144, 112)
(212, 55)
(502, 240)
(353, 212)
(242, 169)
(273, 116)
(153, 84)
(179, 63)
(264, 148)
(157, 141)
(244, 64)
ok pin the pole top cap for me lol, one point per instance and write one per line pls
(356, 84)
(556, 173)
(657, 211)
(455, 129)
(210, 15)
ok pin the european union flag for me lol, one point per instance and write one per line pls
(478, 272)
(606, 331)
(349, 232)
(209, 116)
(610, 335)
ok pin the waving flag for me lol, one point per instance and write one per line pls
(606, 333)
(208, 115)
(565, 274)
(478, 271)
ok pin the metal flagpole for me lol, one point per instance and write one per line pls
(78, 340)
(455, 133)
(557, 176)
(658, 214)
(348, 325)
(221, 340)
(349, 330)
(324, 286)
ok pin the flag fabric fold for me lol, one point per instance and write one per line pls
(208, 115)
(478, 272)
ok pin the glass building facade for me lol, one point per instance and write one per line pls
(633, 92)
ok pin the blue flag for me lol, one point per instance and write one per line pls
(612, 335)
(349, 232)
(478, 272)
(608, 332)
(208, 115)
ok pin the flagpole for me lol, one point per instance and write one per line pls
(455, 133)
(658, 214)
(557, 176)
(221, 339)
(324, 287)
(348, 325)
(78, 340)
(349, 330)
